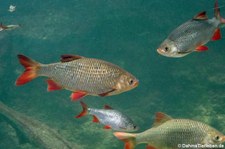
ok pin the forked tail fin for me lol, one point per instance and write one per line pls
(84, 111)
(217, 13)
(127, 138)
(30, 71)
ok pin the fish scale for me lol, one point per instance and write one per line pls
(168, 133)
(83, 76)
(80, 72)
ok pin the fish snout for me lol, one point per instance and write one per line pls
(223, 139)
(160, 51)
(136, 83)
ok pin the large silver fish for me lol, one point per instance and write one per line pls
(169, 133)
(83, 76)
(36, 132)
(192, 35)
(110, 118)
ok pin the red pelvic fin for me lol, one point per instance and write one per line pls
(77, 95)
(107, 107)
(95, 119)
(52, 85)
(84, 111)
(202, 48)
(106, 93)
(201, 16)
(68, 57)
(107, 127)
(216, 35)
(30, 71)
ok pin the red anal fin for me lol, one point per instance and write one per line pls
(77, 95)
(52, 85)
(201, 16)
(95, 119)
(107, 127)
(106, 93)
(84, 111)
(107, 107)
(216, 35)
(68, 57)
(202, 48)
(150, 147)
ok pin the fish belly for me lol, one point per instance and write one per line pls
(73, 76)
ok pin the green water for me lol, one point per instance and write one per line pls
(124, 32)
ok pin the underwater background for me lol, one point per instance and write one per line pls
(126, 33)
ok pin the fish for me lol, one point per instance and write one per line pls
(35, 131)
(83, 76)
(169, 133)
(110, 118)
(8, 27)
(193, 35)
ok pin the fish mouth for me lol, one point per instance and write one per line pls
(160, 51)
(136, 83)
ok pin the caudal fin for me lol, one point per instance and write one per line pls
(127, 138)
(217, 13)
(84, 111)
(30, 71)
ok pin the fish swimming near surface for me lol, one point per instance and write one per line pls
(169, 133)
(36, 132)
(83, 76)
(109, 117)
(8, 27)
(193, 35)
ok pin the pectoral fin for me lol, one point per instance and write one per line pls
(106, 93)
(77, 95)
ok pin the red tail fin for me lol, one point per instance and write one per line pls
(217, 12)
(84, 111)
(30, 71)
(128, 138)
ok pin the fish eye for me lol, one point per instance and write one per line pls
(131, 82)
(217, 138)
(166, 49)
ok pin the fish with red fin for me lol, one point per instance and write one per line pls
(193, 35)
(110, 118)
(169, 133)
(83, 76)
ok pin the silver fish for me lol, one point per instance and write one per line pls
(37, 133)
(110, 118)
(193, 35)
(169, 133)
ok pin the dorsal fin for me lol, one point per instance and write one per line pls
(160, 118)
(201, 16)
(107, 107)
(68, 57)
